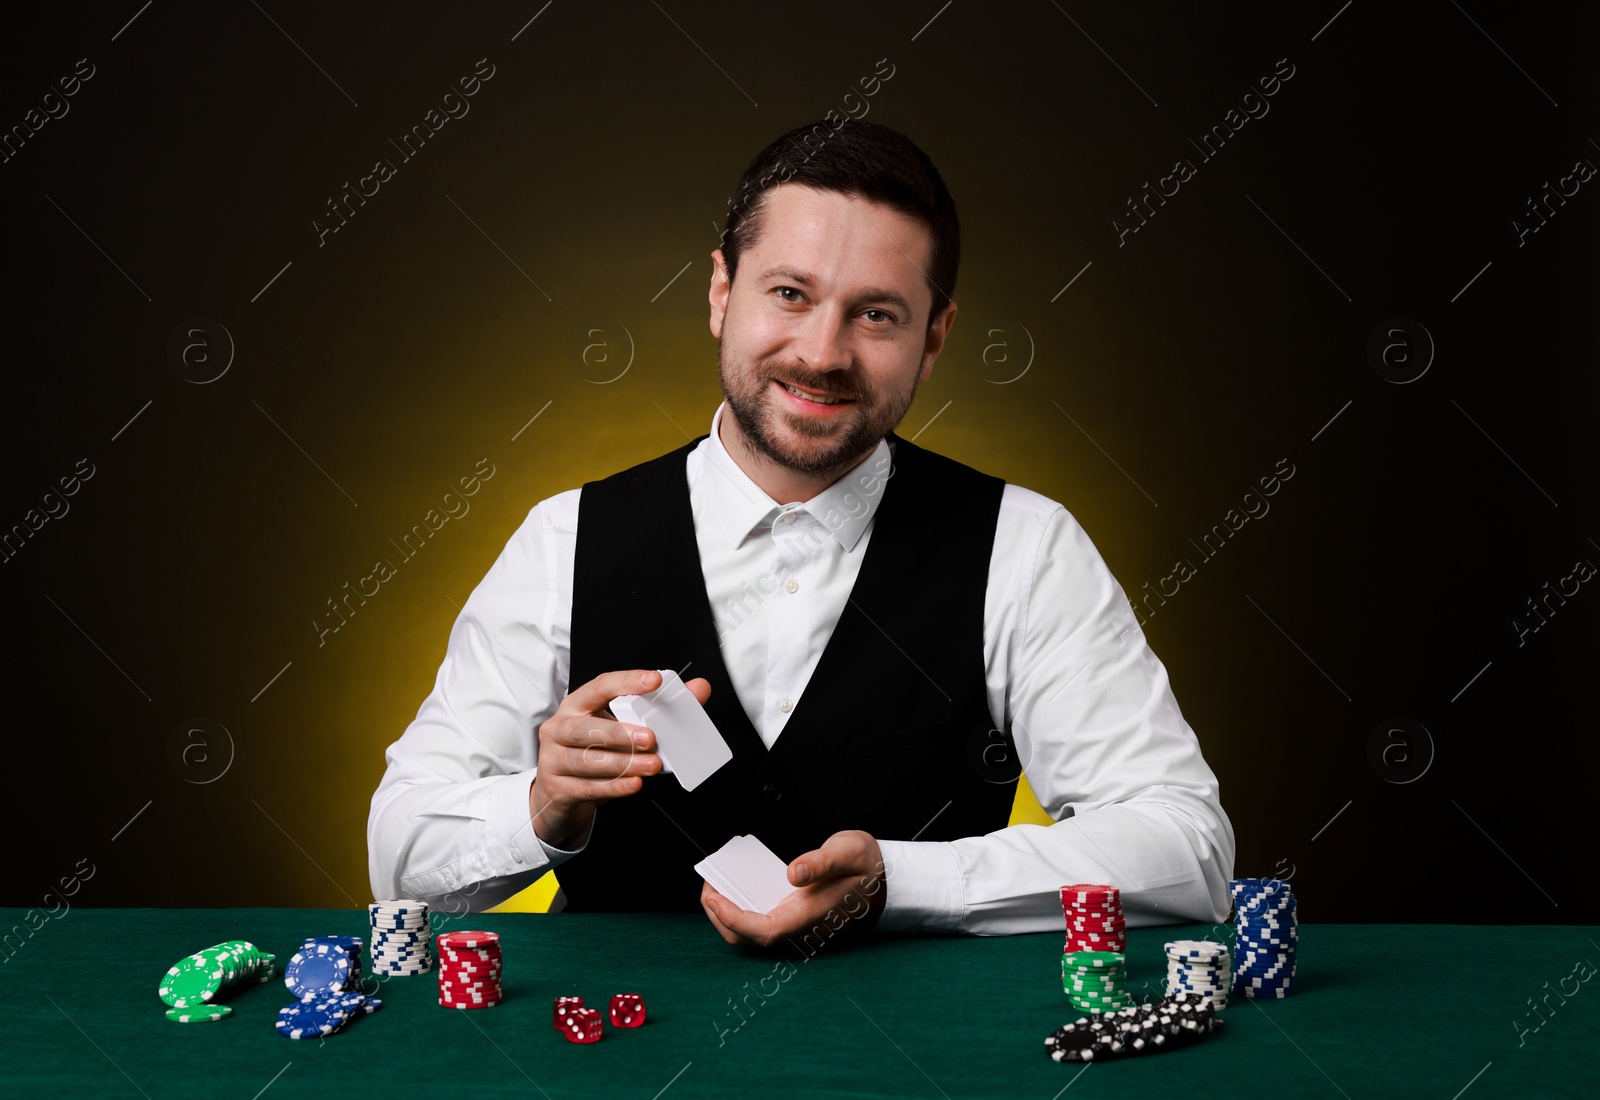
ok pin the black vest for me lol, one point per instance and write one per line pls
(892, 734)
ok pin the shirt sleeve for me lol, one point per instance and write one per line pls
(1107, 752)
(449, 821)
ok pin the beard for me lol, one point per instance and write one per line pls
(828, 446)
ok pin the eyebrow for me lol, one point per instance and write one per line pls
(872, 294)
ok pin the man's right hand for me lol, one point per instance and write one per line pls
(587, 757)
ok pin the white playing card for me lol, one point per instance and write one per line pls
(689, 745)
(747, 873)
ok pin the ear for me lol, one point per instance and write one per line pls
(721, 286)
(938, 332)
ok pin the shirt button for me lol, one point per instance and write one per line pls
(784, 705)
(788, 517)
(516, 855)
(791, 585)
(772, 792)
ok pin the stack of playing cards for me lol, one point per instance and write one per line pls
(689, 745)
(747, 873)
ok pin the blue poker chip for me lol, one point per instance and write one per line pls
(310, 1020)
(317, 970)
(349, 943)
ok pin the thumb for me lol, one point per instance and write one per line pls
(811, 867)
(700, 687)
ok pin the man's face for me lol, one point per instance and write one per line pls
(830, 300)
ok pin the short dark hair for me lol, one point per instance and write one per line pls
(861, 159)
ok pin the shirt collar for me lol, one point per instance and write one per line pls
(742, 507)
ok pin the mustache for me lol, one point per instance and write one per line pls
(818, 387)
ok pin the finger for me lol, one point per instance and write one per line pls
(598, 693)
(839, 855)
(573, 790)
(714, 903)
(752, 928)
(600, 762)
(701, 687)
(588, 730)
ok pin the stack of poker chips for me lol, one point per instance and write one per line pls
(323, 976)
(1133, 1030)
(1200, 968)
(323, 1014)
(1094, 918)
(324, 964)
(1093, 980)
(401, 935)
(469, 970)
(192, 983)
(1267, 934)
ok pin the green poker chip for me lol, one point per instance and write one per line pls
(198, 1015)
(195, 980)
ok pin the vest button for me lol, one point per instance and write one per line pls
(772, 791)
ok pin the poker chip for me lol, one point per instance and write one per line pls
(1094, 918)
(198, 1014)
(319, 1017)
(401, 937)
(197, 979)
(1266, 937)
(1201, 968)
(1135, 1029)
(1093, 980)
(470, 966)
(317, 968)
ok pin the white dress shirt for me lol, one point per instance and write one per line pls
(1068, 670)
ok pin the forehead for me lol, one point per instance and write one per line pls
(844, 242)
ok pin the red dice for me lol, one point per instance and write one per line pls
(565, 1005)
(627, 1010)
(583, 1025)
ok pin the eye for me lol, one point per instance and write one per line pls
(779, 291)
(887, 318)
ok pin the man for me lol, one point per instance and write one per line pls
(860, 617)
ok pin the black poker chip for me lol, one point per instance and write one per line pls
(1140, 1029)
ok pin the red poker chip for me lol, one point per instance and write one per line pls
(474, 964)
(468, 939)
(464, 955)
(457, 968)
(466, 1005)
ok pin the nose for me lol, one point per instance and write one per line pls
(822, 341)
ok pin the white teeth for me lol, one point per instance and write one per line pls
(808, 397)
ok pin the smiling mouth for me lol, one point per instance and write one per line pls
(813, 398)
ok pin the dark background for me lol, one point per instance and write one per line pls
(186, 586)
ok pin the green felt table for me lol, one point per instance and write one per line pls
(1380, 1010)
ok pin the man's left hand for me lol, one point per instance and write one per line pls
(844, 877)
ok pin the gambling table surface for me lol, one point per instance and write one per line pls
(1378, 1010)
